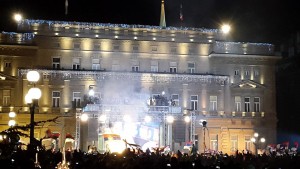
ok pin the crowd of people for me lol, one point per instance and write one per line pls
(138, 159)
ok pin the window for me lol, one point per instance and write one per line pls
(76, 63)
(256, 73)
(194, 102)
(76, 99)
(191, 50)
(96, 46)
(191, 67)
(173, 50)
(234, 143)
(116, 47)
(55, 98)
(56, 63)
(135, 48)
(236, 72)
(7, 64)
(56, 45)
(247, 73)
(238, 104)
(76, 45)
(173, 67)
(248, 142)
(135, 68)
(6, 97)
(213, 103)
(214, 142)
(154, 66)
(247, 104)
(96, 64)
(154, 48)
(175, 100)
(256, 104)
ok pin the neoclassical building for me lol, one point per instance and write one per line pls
(174, 78)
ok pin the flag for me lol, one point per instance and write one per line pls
(180, 14)
(296, 144)
(286, 144)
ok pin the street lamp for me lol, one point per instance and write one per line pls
(225, 28)
(256, 140)
(18, 17)
(31, 98)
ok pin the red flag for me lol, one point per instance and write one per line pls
(286, 144)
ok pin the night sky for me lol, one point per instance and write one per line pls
(268, 21)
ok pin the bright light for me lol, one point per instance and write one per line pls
(225, 28)
(1, 137)
(163, 93)
(56, 34)
(192, 40)
(116, 37)
(187, 119)
(102, 118)
(76, 34)
(148, 119)
(173, 39)
(96, 36)
(253, 139)
(35, 93)
(127, 118)
(28, 98)
(18, 17)
(135, 38)
(84, 117)
(33, 76)
(91, 92)
(11, 123)
(154, 38)
(12, 114)
(255, 134)
(262, 140)
(116, 146)
(170, 119)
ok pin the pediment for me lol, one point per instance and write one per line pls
(247, 84)
(4, 76)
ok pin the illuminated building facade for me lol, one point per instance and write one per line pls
(139, 73)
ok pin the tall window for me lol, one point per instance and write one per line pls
(247, 73)
(194, 102)
(248, 142)
(135, 66)
(234, 143)
(256, 73)
(96, 64)
(173, 50)
(56, 63)
(76, 63)
(6, 97)
(173, 67)
(175, 100)
(213, 103)
(247, 104)
(76, 99)
(256, 104)
(154, 66)
(55, 98)
(191, 67)
(238, 104)
(7, 64)
(236, 72)
(214, 142)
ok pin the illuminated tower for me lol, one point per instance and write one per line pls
(162, 15)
